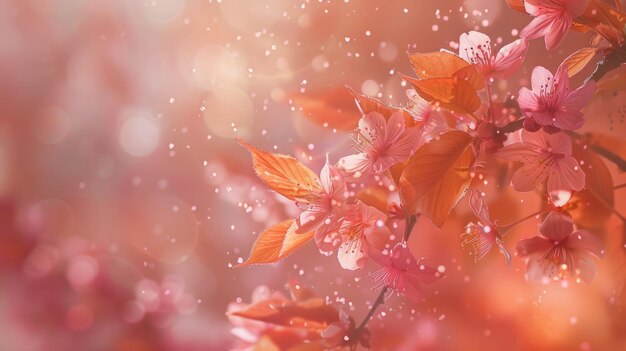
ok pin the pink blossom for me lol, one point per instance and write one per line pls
(475, 48)
(402, 273)
(433, 120)
(325, 209)
(480, 237)
(559, 249)
(545, 156)
(551, 103)
(553, 19)
(362, 232)
(381, 144)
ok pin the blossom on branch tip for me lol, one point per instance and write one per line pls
(322, 211)
(475, 48)
(545, 156)
(551, 104)
(362, 231)
(480, 237)
(559, 249)
(402, 273)
(553, 19)
(382, 143)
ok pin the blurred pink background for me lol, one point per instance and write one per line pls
(125, 200)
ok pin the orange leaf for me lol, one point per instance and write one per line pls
(276, 243)
(442, 64)
(331, 107)
(451, 93)
(471, 75)
(578, 60)
(604, 19)
(375, 196)
(311, 314)
(284, 174)
(368, 104)
(592, 206)
(438, 175)
(517, 5)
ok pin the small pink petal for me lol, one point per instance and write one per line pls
(556, 226)
(532, 246)
(538, 27)
(558, 29)
(584, 241)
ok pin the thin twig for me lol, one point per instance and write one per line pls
(505, 228)
(408, 227)
(379, 301)
(410, 219)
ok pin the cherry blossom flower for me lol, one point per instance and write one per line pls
(480, 237)
(325, 208)
(545, 156)
(402, 273)
(382, 144)
(362, 231)
(553, 19)
(559, 249)
(475, 48)
(551, 104)
(434, 121)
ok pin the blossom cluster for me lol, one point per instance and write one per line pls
(429, 150)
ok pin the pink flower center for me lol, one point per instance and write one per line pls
(480, 55)
(550, 97)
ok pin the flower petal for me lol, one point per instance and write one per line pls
(556, 226)
(567, 176)
(394, 128)
(538, 27)
(541, 79)
(584, 241)
(579, 98)
(559, 143)
(528, 177)
(528, 102)
(356, 165)
(534, 245)
(475, 47)
(352, 254)
(520, 152)
(510, 57)
(372, 126)
(558, 29)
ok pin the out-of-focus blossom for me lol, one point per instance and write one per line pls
(475, 47)
(362, 231)
(433, 120)
(545, 156)
(324, 210)
(273, 321)
(342, 334)
(402, 273)
(551, 104)
(480, 237)
(382, 143)
(553, 19)
(559, 249)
